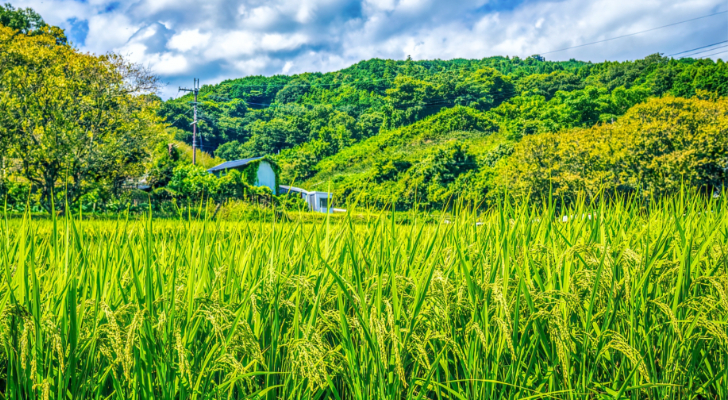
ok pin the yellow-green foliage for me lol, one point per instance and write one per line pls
(204, 159)
(621, 301)
(72, 120)
(653, 149)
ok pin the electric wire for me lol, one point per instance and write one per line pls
(713, 54)
(350, 83)
(704, 51)
(697, 48)
(180, 116)
(635, 33)
(548, 52)
(505, 94)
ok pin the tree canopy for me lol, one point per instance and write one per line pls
(28, 22)
(72, 122)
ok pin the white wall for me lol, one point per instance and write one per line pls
(266, 176)
(314, 201)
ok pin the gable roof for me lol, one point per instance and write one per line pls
(233, 164)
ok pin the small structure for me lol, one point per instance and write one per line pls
(141, 183)
(259, 170)
(317, 201)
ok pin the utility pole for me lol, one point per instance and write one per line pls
(195, 89)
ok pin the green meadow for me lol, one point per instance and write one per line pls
(619, 300)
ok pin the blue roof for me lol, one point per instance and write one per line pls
(233, 164)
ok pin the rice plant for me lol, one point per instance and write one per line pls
(613, 300)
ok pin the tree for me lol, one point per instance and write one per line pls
(272, 136)
(24, 20)
(74, 121)
(28, 22)
(161, 170)
(653, 150)
(484, 89)
(407, 101)
(547, 85)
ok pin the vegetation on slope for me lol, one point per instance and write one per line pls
(396, 166)
(348, 129)
(652, 150)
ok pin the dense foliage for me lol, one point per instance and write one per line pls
(28, 22)
(373, 130)
(257, 115)
(653, 150)
(623, 302)
(71, 124)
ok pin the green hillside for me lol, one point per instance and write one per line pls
(654, 149)
(423, 162)
(431, 131)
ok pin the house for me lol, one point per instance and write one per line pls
(264, 172)
(317, 201)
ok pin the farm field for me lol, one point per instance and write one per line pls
(622, 301)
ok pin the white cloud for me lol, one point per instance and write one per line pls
(287, 67)
(277, 42)
(261, 17)
(254, 66)
(168, 64)
(385, 5)
(232, 45)
(188, 40)
(107, 32)
(134, 52)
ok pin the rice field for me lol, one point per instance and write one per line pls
(621, 301)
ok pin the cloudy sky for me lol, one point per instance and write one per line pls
(220, 39)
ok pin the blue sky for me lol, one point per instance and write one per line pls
(221, 39)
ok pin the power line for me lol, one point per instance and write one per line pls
(451, 101)
(704, 51)
(697, 48)
(635, 33)
(451, 71)
(338, 83)
(714, 54)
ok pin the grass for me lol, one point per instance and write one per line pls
(623, 301)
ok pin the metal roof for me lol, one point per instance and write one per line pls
(233, 164)
(292, 189)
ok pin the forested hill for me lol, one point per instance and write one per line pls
(375, 93)
(319, 125)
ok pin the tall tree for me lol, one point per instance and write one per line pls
(72, 120)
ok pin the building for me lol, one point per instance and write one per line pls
(317, 201)
(264, 174)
